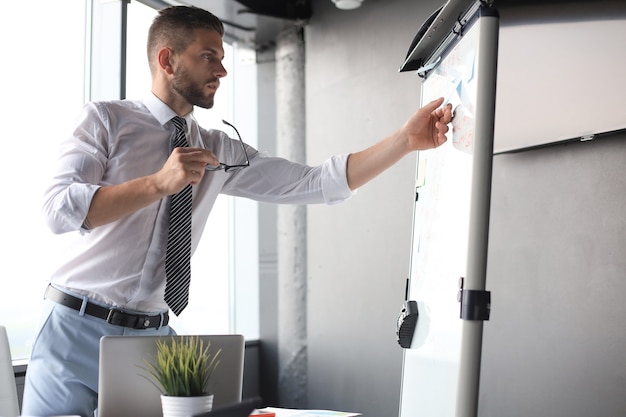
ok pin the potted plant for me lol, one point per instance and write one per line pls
(181, 370)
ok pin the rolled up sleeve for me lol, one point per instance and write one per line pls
(334, 181)
(277, 180)
(66, 210)
(78, 172)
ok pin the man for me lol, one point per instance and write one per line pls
(116, 180)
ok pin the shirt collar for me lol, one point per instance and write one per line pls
(161, 111)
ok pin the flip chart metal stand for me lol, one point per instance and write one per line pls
(439, 35)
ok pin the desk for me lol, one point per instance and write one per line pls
(289, 412)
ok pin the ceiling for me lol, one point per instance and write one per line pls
(257, 22)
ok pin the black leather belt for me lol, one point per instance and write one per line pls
(110, 315)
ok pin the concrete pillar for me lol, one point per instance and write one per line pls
(292, 266)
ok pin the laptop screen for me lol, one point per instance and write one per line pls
(126, 390)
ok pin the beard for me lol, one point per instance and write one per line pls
(191, 91)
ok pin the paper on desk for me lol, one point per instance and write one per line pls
(288, 412)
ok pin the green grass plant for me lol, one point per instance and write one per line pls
(183, 366)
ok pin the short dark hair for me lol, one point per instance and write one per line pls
(174, 27)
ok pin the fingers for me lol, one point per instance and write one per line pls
(446, 114)
(195, 177)
(195, 159)
(440, 114)
(442, 117)
(185, 166)
(193, 162)
(442, 129)
(433, 105)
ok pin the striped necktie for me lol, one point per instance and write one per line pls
(178, 252)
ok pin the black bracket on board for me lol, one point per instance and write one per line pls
(475, 304)
(407, 320)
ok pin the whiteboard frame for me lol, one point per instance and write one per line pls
(471, 339)
(475, 279)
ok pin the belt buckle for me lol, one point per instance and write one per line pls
(110, 315)
(140, 321)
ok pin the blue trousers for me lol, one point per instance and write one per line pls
(62, 373)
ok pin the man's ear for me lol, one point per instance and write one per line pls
(164, 58)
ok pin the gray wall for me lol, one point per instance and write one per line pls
(554, 345)
(359, 251)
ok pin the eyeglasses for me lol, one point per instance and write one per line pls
(226, 167)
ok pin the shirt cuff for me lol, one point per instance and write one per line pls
(72, 208)
(335, 180)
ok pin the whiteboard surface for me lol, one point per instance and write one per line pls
(440, 240)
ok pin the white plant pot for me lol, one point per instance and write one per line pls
(185, 406)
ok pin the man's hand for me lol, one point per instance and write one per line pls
(427, 128)
(184, 166)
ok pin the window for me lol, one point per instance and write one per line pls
(43, 89)
(46, 85)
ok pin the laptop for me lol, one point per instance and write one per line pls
(124, 389)
(239, 409)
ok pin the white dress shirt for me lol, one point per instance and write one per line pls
(122, 263)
